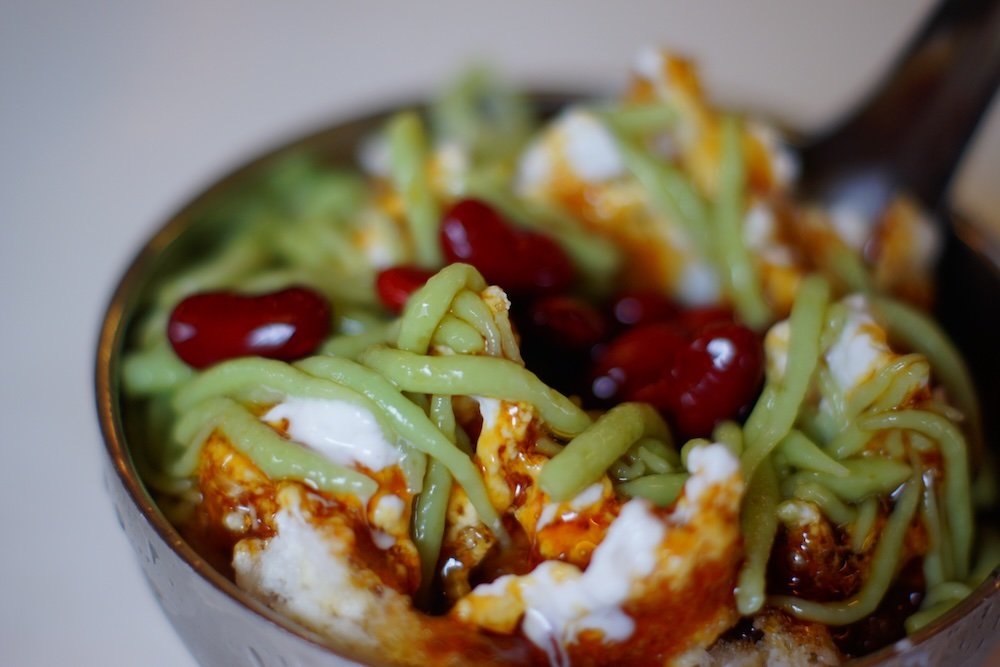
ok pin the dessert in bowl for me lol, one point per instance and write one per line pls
(465, 386)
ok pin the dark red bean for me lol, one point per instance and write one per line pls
(636, 365)
(633, 309)
(518, 260)
(558, 334)
(567, 321)
(474, 233)
(696, 378)
(546, 267)
(210, 327)
(395, 285)
(693, 320)
(716, 376)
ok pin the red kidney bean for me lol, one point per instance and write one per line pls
(210, 327)
(716, 376)
(395, 285)
(518, 260)
(633, 309)
(696, 378)
(635, 365)
(694, 320)
(567, 321)
(558, 334)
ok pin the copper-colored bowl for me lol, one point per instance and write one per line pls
(224, 626)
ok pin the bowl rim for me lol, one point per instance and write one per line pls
(116, 319)
(110, 347)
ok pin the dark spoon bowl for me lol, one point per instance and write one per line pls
(223, 626)
(911, 131)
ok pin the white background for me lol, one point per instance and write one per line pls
(113, 113)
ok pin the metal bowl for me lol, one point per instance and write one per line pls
(223, 626)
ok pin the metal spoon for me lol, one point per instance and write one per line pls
(911, 133)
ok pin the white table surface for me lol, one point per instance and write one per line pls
(113, 113)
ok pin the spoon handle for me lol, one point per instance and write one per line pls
(912, 132)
